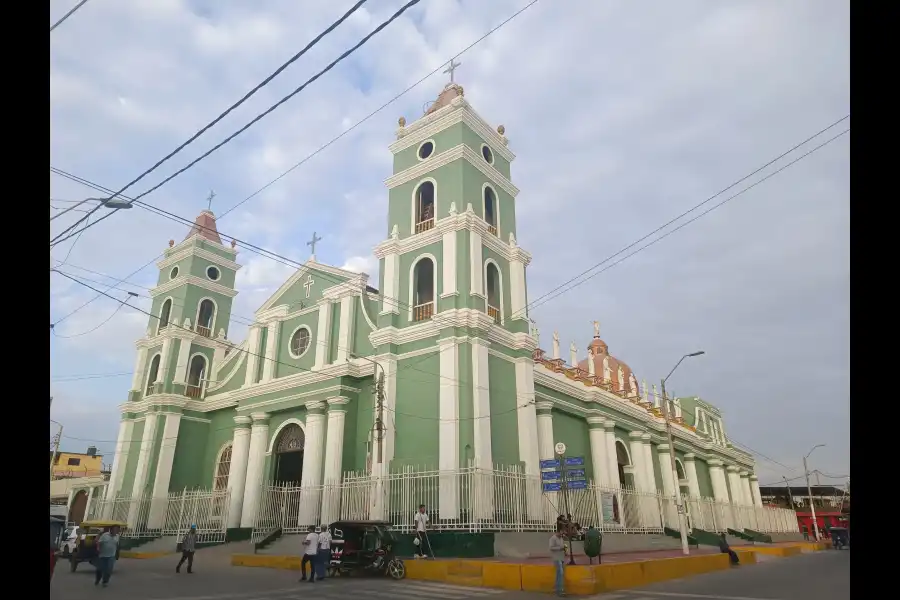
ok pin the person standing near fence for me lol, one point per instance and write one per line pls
(421, 522)
(188, 547)
(107, 548)
(558, 556)
(310, 552)
(324, 552)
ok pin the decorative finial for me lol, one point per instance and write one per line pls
(453, 211)
(592, 368)
(512, 240)
(233, 243)
(501, 130)
(555, 345)
(171, 243)
(573, 354)
(401, 121)
(596, 329)
(395, 232)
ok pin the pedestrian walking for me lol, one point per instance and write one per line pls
(107, 548)
(310, 552)
(558, 556)
(421, 522)
(324, 552)
(188, 547)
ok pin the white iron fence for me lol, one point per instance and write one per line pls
(170, 515)
(503, 499)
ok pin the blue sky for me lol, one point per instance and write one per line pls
(622, 115)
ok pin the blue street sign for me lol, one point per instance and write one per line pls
(574, 473)
(550, 464)
(582, 478)
(577, 485)
(552, 487)
(551, 475)
(574, 461)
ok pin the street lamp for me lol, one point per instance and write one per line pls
(812, 506)
(110, 203)
(682, 517)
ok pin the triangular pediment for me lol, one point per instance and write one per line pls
(306, 286)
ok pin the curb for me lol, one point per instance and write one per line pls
(135, 554)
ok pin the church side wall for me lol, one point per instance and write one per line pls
(232, 377)
(474, 141)
(504, 418)
(572, 430)
(189, 455)
(473, 193)
(416, 418)
(134, 449)
(196, 266)
(287, 364)
(704, 480)
(443, 140)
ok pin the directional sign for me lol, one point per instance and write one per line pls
(574, 461)
(575, 473)
(553, 463)
(552, 487)
(576, 485)
(551, 475)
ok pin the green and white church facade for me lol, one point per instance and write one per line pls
(471, 404)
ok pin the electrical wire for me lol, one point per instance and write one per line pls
(59, 238)
(92, 330)
(67, 15)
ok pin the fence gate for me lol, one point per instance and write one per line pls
(207, 509)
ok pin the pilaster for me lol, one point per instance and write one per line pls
(313, 461)
(120, 460)
(142, 470)
(650, 477)
(345, 330)
(253, 338)
(638, 458)
(754, 489)
(517, 292)
(140, 366)
(167, 447)
(690, 467)
(448, 428)
(334, 456)
(181, 363)
(163, 373)
(611, 457)
(237, 475)
(745, 488)
(597, 438)
(734, 485)
(259, 436)
(476, 269)
(323, 333)
(717, 476)
(670, 480)
(273, 329)
(448, 262)
(545, 430)
(481, 401)
(391, 283)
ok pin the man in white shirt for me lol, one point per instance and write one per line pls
(324, 552)
(421, 523)
(310, 551)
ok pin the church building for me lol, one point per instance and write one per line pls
(347, 401)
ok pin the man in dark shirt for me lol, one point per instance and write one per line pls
(188, 546)
(726, 549)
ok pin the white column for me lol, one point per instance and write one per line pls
(597, 438)
(273, 328)
(237, 475)
(252, 355)
(611, 455)
(181, 363)
(747, 494)
(323, 337)
(636, 446)
(164, 471)
(391, 283)
(345, 329)
(670, 484)
(734, 485)
(256, 459)
(754, 490)
(448, 428)
(142, 471)
(313, 459)
(334, 456)
(476, 269)
(648, 464)
(449, 264)
(140, 365)
(164, 360)
(527, 423)
(87, 506)
(69, 501)
(690, 468)
(517, 294)
(481, 405)
(545, 430)
(717, 476)
(120, 460)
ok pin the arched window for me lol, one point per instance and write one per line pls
(424, 198)
(423, 289)
(164, 313)
(490, 209)
(494, 292)
(206, 313)
(223, 468)
(153, 374)
(196, 370)
(623, 459)
(679, 469)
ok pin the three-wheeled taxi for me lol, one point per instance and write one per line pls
(86, 550)
(366, 547)
(840, 537)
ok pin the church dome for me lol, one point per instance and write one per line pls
(601, 354)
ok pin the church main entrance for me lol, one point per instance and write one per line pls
(289, 456)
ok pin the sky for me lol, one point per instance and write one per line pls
(622, 115)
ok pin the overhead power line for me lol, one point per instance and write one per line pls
(63, 235)
(67, 15)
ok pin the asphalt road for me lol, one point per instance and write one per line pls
(823, 576)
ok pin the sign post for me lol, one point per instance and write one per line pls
(562, 474)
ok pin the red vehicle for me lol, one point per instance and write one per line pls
(824, 519)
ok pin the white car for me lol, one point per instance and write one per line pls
(70, 540)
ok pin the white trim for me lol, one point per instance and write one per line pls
(290, 421)
(200, 282)
(412, 283)
(159, 367)
(434, 202)
(490, 151)
(484, 187)
(419, 149)
(627, 453)
(309, 344)
(201, 253)
(484, 272)
(204, 376)
(212, 322)
(218, 270)
(683, 470)
(174, 272)
(189, 244)
(216, 464)
(459, 152)
(169, 318)
(313, 268)
(362, 307)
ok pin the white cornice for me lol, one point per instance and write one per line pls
(180, 333)
(300, 396)
(212, 257)
(313, 267)
(354, 287)
(190, 242)
(461, 151)
(181, 280)
(459, 111)
(466, 220)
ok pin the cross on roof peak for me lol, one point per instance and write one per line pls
(312, 244)
(451, 68)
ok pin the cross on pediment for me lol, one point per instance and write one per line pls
(308, 284)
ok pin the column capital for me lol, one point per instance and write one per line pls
(732, 469)
(636, 435)
(260, 418)
(338, 404)
(543, 407)
(745, 473)
(646, 438)
(242, 421)
(315, 407)
(754, 478)
(596, 422)
(715, 463)
(663, 448)
(690, 456)
(609, 424)
(477, 341)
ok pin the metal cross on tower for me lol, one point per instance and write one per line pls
(451, 68)
(312, 243)
(209, 200)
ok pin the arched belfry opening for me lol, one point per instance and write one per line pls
(164, 314)
(205, 316)
(153, 375)
(424, 206)
(196, 371)
(423, 289)
(490, 209)
(494, 289)
(289, 455)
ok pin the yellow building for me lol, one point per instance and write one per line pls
(75, 464)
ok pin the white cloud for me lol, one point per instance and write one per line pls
(622, 116)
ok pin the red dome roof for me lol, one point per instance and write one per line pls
(601, 353)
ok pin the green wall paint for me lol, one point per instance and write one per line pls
(287, 364)
(334, 334)
(504, 420)
(416, 416)
(704, 479)
(188, 462)
(134, 452)
(358, 445)
(573, 432)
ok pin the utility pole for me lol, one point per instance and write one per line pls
(378, 428)
(682, 521)
(56, 441)
(790, 496)
(812, 506)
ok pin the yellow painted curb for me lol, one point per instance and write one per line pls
(270, 561)
(137, 554)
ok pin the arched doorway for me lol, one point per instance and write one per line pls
(78, 506)
(289, 455)
(622, 461)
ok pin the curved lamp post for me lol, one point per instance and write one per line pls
(812, 506)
